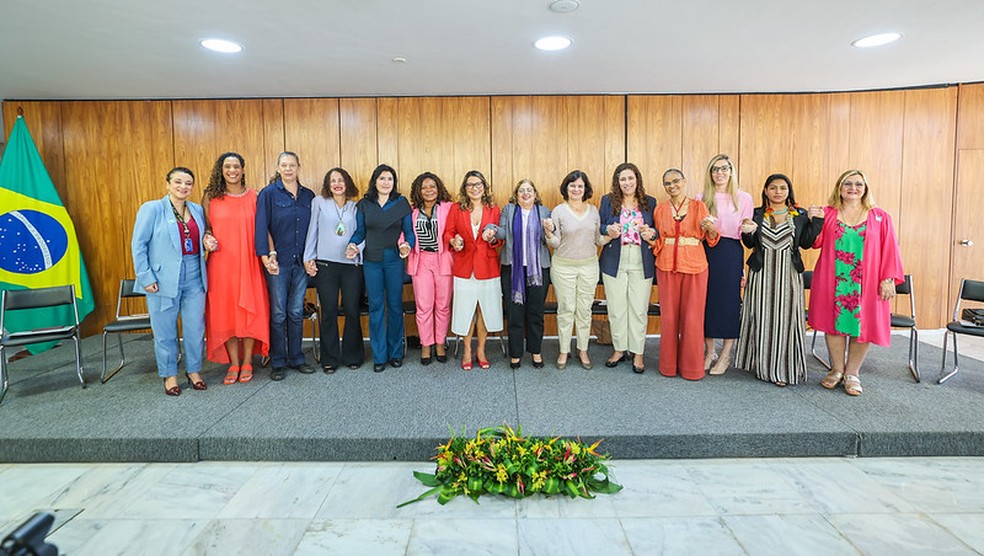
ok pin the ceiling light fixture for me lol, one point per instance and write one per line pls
(221, 45)
(564, 6)
(876, 40)
(555, 42)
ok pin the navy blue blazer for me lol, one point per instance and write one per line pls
(156, 246)
(612, 251)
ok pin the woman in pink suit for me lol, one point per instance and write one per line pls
(429, 264)
(854, 279)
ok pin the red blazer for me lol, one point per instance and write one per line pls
(478, 255)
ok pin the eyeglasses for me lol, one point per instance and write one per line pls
(721, 169)
(853, 184)
(674, 181)
(475, 185)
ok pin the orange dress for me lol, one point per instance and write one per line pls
(236, 304)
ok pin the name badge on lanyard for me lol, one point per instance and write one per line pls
(187, 245)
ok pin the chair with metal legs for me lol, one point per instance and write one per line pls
(807, 282)
(970, 290)
(909, 321)
(123, 323)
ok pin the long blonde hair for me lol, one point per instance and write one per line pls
(710, 189)
(867, 200)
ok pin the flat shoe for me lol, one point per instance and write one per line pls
(232, 375)
(246, 374)
(586, 365)
(378, 367)
(561, 366)
(538, 364)
(328, 369)
(832, 379)
(278, 373)
(852, 385)
(611, 364)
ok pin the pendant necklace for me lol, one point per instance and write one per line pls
(186, 232)
(676, 210)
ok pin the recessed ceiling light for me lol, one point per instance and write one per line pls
(564, 6)
(399, 60)
(552, 43)
(876, 40)
(221, 45)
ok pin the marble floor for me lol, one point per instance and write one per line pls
(811, 506)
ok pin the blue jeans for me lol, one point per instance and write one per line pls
(384, 287)
(164, 311)
(287, 291)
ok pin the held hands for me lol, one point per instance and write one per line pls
(815, 211)
(748, 226)
(548, 226)
(614, 231)
(647, 233)
(271, 265)
(886, 289)
(457, 243)
(404, 250)
(311, 268)
(707, 224)
(488, 234)
(209, 242)
(351, 251)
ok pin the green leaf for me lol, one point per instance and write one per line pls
(551, 485)
(430, 492)
(572, 489)
(446, 495)
(428, 479)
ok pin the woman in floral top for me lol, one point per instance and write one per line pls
(854, 280)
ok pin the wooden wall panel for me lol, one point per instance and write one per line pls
(357, 129)
(654, 140)
(927, 196)
(876, 132)
(125, 148)
(43, 120)
(766, 140)
(970, 125)
(543, 138)
(311, 129)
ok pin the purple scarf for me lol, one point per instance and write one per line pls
(531, 247)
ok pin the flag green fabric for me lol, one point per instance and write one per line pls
(38, 245)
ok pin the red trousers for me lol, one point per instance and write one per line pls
(682, 298)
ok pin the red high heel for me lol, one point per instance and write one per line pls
(484, 365)
(200, 385)
(466, 365)
(172, 391)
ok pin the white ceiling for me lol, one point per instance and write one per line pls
(102, 49)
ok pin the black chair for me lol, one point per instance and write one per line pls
(970, 290)
(16, 300)
(807, 282)
(909, 321)
(124, 323)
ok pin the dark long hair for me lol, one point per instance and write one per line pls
(417, 198)
(640, 192)
(790, 200)
(216, 188)
(372, 193)
(351, 191)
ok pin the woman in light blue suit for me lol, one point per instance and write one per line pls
(169, 244)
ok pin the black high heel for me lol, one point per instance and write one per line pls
(200, 385)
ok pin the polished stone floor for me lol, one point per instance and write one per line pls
(813, 506)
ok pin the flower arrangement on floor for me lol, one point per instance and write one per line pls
(500, 460)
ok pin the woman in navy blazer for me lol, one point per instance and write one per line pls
(627, 262)
(169, 244)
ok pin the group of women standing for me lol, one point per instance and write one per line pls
(500, 260)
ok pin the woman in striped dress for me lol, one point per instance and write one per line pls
(772, 338)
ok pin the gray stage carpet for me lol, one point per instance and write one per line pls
(402, 414)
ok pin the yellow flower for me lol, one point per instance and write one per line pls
(575, 448)
(500, 474)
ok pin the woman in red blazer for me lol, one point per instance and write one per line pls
(470, 233)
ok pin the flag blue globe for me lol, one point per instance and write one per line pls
(33, 241)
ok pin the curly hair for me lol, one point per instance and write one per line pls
(417, 198)
(216, 188)
(351, 191)
(464, 201)
(640, 191)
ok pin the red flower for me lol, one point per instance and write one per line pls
(856, 274)
(845, 257)
(850, 301)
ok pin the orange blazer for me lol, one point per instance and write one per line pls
(478, 255)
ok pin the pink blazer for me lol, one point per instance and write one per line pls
(880, 260)
(443, 253)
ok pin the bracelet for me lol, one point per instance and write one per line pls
(272, 254)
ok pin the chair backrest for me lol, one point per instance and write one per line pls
(128, 290)
(970, 290)
(905, 288)
(807, 279)
(13, 300)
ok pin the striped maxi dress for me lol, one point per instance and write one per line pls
(772, 338)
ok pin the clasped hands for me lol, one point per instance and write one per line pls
(209, 242)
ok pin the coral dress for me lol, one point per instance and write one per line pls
(237, 304)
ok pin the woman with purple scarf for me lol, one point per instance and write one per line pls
(525, 270)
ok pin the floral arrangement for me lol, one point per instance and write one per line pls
(500, 460)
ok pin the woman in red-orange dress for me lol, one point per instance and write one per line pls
(237, 310)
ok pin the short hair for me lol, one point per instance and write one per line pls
(276, 175)
(514, 199)
(867, 199)
(573, 177)
(616, 193)
(179, 170)
(216, 188)
(416, 195)
(463, 200)
(790, 200)
(351, 191)
(710, 189)
(372, 193)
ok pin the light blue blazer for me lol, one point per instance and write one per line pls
(156, 246)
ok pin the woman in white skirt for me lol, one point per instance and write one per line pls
(470, 232)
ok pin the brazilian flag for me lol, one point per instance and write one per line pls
(38, 245)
